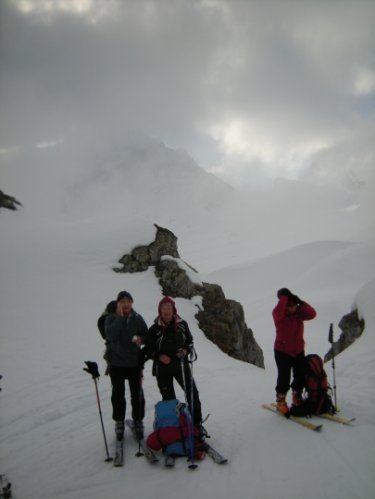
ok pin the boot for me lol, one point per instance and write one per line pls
(119, 430)
(281, 405)
(138, 428)
(296, 398)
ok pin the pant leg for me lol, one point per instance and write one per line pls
(137, 399)
(298, 372)
(165, 385)
(197, 408)
(117, 376)
(284, 369)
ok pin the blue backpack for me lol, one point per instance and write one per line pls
(167, 414)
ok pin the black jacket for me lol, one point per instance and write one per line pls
(168, 340)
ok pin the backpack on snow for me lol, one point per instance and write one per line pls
(318, 399)
(171, 428)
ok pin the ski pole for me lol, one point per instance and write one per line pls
(192, 466)
(92, 368)
(140, 453)
(330, 339)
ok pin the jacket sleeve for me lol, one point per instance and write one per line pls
(150, 343)
(112, 327)
(141, 328)
(279, 312)
(189, 337)
(307, 312)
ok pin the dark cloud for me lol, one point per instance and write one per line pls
(284, 72)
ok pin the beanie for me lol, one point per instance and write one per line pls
(167, 299)
(124, 294)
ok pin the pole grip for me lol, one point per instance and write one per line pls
(330, 334)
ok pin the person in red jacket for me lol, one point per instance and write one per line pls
(289, 316)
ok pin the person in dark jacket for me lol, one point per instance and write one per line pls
(169, 343)
(289, 316)
(125, 331)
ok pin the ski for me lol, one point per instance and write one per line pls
(5, 487)
(299, 420)
(214, 454)
(148, 453)
(118, 460)
(337, 418)
(169, 461)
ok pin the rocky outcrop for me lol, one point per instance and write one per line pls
(142, 257)
(221, 320)
(8, 202)
(352, 327)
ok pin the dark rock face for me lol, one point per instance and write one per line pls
(221, 320)
(8, 202)
(352, 327)
(142, 257)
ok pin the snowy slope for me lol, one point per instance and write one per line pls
(55, 279)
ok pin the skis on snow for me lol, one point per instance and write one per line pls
(309, 424)
(146, 451)
(214, 454)
(336, 418)
(118, 460)
(296, 419)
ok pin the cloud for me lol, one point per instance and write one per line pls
(244, 87)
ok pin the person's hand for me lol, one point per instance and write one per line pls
(137, 340)
(164, 359)
(296, 299)
(181, 352)
(284, 292)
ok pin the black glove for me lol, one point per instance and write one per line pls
(296, 299)
(92, 368)
(284, 292)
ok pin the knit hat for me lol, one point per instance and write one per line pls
(124, 294)
(167, 299)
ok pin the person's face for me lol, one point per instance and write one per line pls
(291, 308)
(125, 305)
(166, 312)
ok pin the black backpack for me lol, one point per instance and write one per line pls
(109, 309)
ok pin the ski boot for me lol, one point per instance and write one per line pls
(281, 404)
(119, 430)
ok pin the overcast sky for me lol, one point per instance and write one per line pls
(252, 90)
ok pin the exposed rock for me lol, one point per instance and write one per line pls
(174, 280)
(352, 327)
(8, 202)
(142, 257)
(221, 320)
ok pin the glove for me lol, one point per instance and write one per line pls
(284, 292)
(181, 353)
(92, 368)
(296, 299)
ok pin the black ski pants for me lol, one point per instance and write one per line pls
(166, 388)
(286, 364)
(118, 376)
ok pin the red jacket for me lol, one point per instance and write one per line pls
(289, 327)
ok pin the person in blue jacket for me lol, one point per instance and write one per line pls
(125, 332)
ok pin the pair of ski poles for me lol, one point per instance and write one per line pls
(192, 466)
(330, 339)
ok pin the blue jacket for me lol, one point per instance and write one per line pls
(119, 332)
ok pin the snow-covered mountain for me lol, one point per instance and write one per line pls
(79, 216)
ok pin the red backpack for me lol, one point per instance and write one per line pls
(317, 388)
